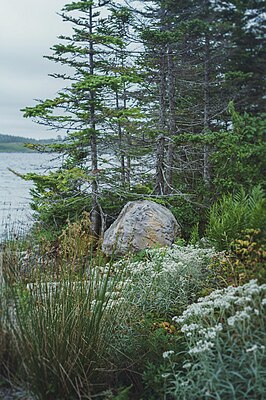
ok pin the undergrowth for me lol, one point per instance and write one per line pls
(74, 325)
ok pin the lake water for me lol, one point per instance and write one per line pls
(15, 212)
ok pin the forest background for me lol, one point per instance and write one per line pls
(160, 100)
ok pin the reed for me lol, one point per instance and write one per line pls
(59, 319)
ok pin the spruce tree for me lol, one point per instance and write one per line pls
(83, 109)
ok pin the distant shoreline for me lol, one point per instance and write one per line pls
(13, 150)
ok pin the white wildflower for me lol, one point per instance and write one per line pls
(252, 349)
(189, 328)
(201, 346)
(167, 354)
(211, 333)
(239, 316)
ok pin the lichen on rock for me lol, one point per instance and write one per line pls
(141, 224)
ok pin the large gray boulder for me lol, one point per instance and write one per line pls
(140, 225)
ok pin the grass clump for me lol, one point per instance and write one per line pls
(61, 327)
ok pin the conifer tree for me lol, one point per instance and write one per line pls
(83, 109)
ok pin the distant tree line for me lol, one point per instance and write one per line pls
(21, 139)
(15, 139)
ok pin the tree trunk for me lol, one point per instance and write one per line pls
(128, 141)
(121, 145)
(95, 212)
(160, 165)
(160, 152)
(172, 119)
(206, 150)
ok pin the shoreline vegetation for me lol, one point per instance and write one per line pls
(163, 324)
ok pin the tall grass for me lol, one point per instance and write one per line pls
(59, 314)
(61, 331)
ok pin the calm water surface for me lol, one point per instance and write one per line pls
(15, 212)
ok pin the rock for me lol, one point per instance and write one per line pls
(140, 225)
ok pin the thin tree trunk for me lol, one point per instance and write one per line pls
(128, 141)
(206, 150)
(121, 146)
(95, 212)
(172, 119)
(160, 165)
(160, 151)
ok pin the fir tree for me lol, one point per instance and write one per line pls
(83, 109)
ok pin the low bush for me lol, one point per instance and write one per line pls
(168, 279)
(225, 336)
(159, 283)
(245, 260)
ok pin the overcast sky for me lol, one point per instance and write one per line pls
(28, 28)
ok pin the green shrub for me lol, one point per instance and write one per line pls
(226, 357)
(232, 214)
(160, 282)
(244, 261)
(169, 279)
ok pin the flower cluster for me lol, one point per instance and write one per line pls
(240, 316)
(255, 347)
(168, 278)
(225, 336)
(225, 299)
(233, 306)
(167, 354)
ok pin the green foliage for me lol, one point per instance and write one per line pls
(123, 394)
(57, 197)
(61, 330)
(171, 278)
(194, 236)
(79, 5)
(142, 338)
(13, 148)
(225, 334)
(244, 261)
(187, 214)
(11, 144)
(234, 213)
(237, 155)
(239, 158)
(85, 327)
